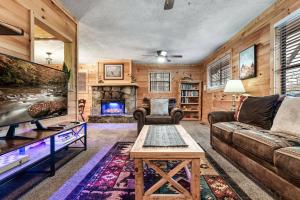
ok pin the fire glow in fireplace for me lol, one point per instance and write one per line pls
(112, 107)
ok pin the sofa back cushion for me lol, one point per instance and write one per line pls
(159, 107)
(287, 119)
(258, 111)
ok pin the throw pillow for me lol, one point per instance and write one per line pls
(238, 110)
(287, 119)
(159, 106)
(258, 111)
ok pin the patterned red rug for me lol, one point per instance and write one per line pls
(113, 178)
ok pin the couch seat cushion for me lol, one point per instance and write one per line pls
(260, 143)
(224, 130)
(158, 119)
(287, 161)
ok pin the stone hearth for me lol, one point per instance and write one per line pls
(126, 93)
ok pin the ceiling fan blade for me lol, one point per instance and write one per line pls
(176, 56)
(150, 55)
(169, 4)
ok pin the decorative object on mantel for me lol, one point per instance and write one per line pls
(100, 80)
(113, 71)
(234, 87)
(248, 63)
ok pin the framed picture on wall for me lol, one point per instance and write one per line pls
(248, 63)
(113, 71)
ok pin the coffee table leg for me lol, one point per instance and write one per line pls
(139, 179)
(195, 179)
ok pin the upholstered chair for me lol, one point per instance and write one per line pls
(144, 116)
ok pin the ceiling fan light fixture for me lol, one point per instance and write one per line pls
(162, 53)
(161, 59)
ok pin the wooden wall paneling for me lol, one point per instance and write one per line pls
(48, 14)
(15, 14)
(141, 72)
(260, 32)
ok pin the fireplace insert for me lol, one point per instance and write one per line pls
(112, 107)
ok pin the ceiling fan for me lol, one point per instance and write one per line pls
(168, 4)
(163, 56)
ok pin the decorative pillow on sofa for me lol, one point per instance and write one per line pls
(258, 111)
(159, 107)
(287, 119)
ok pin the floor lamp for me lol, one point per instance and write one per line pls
(234, 87)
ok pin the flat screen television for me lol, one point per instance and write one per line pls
(30, 91)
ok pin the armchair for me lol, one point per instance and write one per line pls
(144, 117)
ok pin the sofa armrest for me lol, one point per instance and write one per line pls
(220, 116)
(176, 115)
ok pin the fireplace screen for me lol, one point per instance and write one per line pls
(112, 107)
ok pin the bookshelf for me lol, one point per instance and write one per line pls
(189, 99)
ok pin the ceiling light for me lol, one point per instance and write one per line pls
(163, 53)
(161, 59)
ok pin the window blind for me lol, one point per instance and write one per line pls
(289, 38)
(219, 72)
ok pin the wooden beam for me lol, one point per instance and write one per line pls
(52, 30)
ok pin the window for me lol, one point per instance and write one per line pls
(160, 82)
(288, 36)
(219, 72)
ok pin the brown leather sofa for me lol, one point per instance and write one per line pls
(143, 117)
(273, 159)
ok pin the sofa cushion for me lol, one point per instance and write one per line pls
(159, 107)
(157, 119)
(287, 161)
(287, 119)
(224, 130)
(258, 111)
(259, 143)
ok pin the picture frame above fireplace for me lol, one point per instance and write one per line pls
(113, 72)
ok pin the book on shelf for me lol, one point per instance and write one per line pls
(188, 86)
(189, 93)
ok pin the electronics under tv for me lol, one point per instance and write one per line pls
(30, 92)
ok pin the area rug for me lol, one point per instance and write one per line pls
(112, 178)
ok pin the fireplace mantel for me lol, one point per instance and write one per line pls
(114, 84)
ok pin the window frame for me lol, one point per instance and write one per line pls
(159, 72)
(213, 64)
(281, 56)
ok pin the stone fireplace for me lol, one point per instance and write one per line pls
(113, 103)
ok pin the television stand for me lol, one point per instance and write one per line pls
(39, 125)
(10, 135)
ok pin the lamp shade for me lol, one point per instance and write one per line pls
(234, 87)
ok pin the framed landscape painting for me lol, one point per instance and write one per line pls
(248, 63)
(113, 71)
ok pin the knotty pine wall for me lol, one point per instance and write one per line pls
(52, 16)
(141, 73)
(178, 71)
(260, 32)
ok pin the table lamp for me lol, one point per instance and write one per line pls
(234, 87)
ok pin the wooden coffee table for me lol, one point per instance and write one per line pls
(191, 154)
